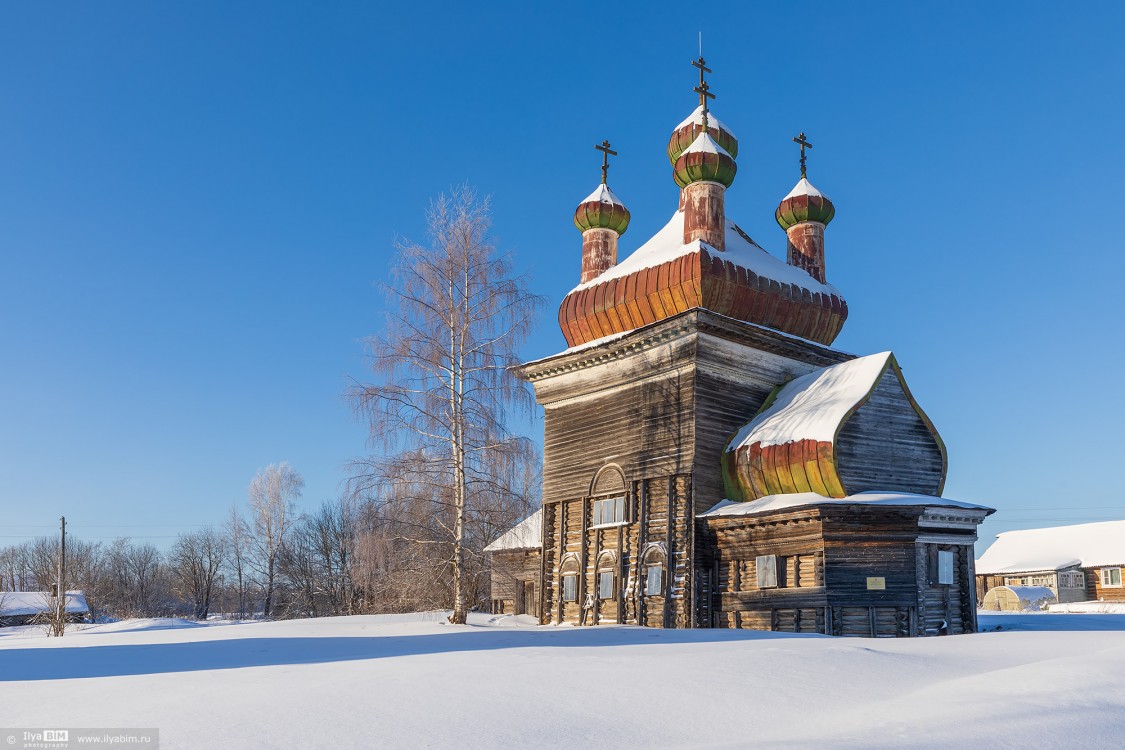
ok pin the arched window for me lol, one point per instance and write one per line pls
(653, 564)
(568, 572)
(608, 497)
(607, 575)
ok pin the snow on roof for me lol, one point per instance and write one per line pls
(705, 144)
(602, 194)
(812, 406)
(696, 118)
(668, 244)
(15, 603)
(1087, 545)
(804, 187)
(771, 503)
(527, 534)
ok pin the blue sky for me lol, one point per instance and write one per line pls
(196, 202)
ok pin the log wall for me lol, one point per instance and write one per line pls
(511, 572)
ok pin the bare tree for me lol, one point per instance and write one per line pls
(195, 560)
(443, 386)
(238, 550)
(272, 512)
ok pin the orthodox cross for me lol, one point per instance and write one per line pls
(702, 89)
(803, 144)
(606, 153)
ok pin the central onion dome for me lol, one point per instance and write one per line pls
(704, 161)
(688, 131)
(804, 203)
(602, 210)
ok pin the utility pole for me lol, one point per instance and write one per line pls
(59, 625)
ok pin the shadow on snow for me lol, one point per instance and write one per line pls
(158, 658)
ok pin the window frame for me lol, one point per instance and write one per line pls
(612, 584)
(946, 568)
(766, 563)
(618, 514)
(571, 578)
(1105, 578)
(658, 567)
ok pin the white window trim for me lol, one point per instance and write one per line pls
(1111, 585)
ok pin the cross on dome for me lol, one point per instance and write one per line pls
(800, 140)
(606, 153)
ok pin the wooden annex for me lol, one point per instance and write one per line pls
(709, 459)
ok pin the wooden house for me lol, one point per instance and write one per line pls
(25, 607)
(709, 457)
(1078, 563)
(515, 562)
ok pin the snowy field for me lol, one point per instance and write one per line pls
(1041, 680)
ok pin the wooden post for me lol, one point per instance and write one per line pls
(584, 561)
(670, 579)
(642, 540)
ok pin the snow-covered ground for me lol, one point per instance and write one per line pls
(1032, 680)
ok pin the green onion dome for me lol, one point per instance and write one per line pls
(602, 210)
(804, 203)
(688, 130)
(704, 161)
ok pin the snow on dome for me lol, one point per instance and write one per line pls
(603, 195)
(1088, 545)
(705, 144)
(772, 503)
(527, 534)
(668, 244)
(696, 118)
(813, 406)
(804, 187)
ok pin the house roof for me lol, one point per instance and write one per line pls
(1086, 545)
(772, 503)
(18, 603)
(527, 534)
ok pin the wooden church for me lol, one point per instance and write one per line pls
(709, 459)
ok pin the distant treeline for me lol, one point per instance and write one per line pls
(387, 551)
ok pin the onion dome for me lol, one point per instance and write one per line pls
(602, 210)
(704, 160)
(688, 130)
(804, 203)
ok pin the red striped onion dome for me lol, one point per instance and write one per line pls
(688, 130)
(602, 210)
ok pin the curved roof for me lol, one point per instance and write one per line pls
(813, 406)
(794, 443)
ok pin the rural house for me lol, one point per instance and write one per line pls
(1078, 563)
(709, 459)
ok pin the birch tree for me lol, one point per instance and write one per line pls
(272, 495)
(443, 389)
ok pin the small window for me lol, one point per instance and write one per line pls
(944, 567)
(570, 588)
(654, 585)
(1111, 578)
(766, 568)
(605, 584)
(609, 510)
